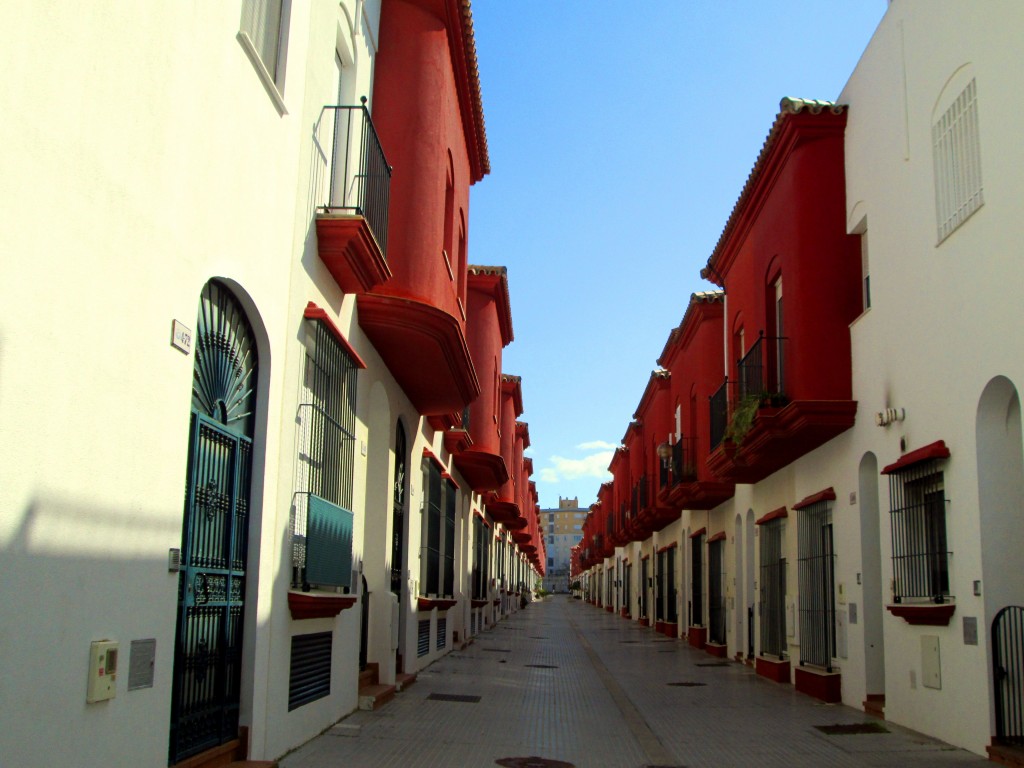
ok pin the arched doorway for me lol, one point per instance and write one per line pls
(1000, 456)
(215, 533)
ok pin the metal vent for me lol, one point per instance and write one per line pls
(423, 638)
(310, 675)
(442, 633)
(457, 697)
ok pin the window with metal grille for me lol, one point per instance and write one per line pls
(263, 34)
(716, 591)
(477, 578)
(430, 556)
(773, 590)
(920, 556)
(627, 578)
(644, 586)
(442, 632)
(423, 637)
(449, 539)
(816, 581)
(956, 151)
(697, 580)
(671, 612)
(325, 423)
(309, 677)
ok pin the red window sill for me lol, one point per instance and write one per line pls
(924, 615)
(429, 603)
(304, 605)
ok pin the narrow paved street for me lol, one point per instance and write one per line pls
(565, 681)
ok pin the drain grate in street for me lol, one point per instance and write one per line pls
(629, 641)
(851, 729)
(541, 666)
(538, 637)
(497, 650)
(459, 697)
(687, 684)
(532, 762)
(713, 664)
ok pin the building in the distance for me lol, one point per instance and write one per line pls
(563, 529)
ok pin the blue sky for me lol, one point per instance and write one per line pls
(620, 136)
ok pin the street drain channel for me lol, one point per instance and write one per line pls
(532, 762)
(851, 729)
(462, 698)
(541, 666)
(687, 684)
(714, 664)
(497, 650)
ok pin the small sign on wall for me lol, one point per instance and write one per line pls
(181, 337)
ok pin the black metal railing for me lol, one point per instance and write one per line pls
(773, 591)
(720, 413)
(684, 460)
(816, 575)
(1008, 674)
(360, 180)
(760, 371)
(920, 556)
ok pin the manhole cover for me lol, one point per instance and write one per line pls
(687, 684)
(851, 729)
(532, 762)
(462, 698)
(541, 666)
(714, 664)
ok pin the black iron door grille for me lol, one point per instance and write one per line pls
(1008, 674)
(211, 586)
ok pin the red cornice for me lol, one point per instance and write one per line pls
(467, 77)
(658, 380)
(698, 532)
(666, 548)
(776, 514)
(513, 385)
(936, 450)
(313, 312)
(717, 537)
(928, 615)
(303, 605)
(826, 495)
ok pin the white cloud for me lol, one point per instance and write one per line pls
(594, 465)
(594, 445)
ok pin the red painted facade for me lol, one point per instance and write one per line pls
(426, 109)
(503, 506)
(654, 421)
(693, 356)
(792, 280)
(489, 329)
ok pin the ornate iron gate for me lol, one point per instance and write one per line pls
(1008, 674)
(211, 586)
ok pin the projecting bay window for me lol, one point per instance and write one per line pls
(920, 552)
(773, 589)
(437, 551)
(321, 510)
(816, 575)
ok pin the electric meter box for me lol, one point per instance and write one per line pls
(102, 671)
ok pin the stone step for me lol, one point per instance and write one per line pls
(373, 697)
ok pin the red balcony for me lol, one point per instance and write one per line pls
(789, 386)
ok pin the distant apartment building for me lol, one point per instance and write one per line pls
(563, 528)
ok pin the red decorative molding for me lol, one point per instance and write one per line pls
(429, 603)
(313, 312)
(698, 532)
(936, 450)
(667, 547)
(930, 615)
(350, 252)
(483, 471)
(827, 495)
(717, 537)
(456, 441)
(304, 605)
(776, 514)
(478, 603)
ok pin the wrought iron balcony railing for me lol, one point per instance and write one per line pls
(760, 371)
(720, 413)
(360, 177)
